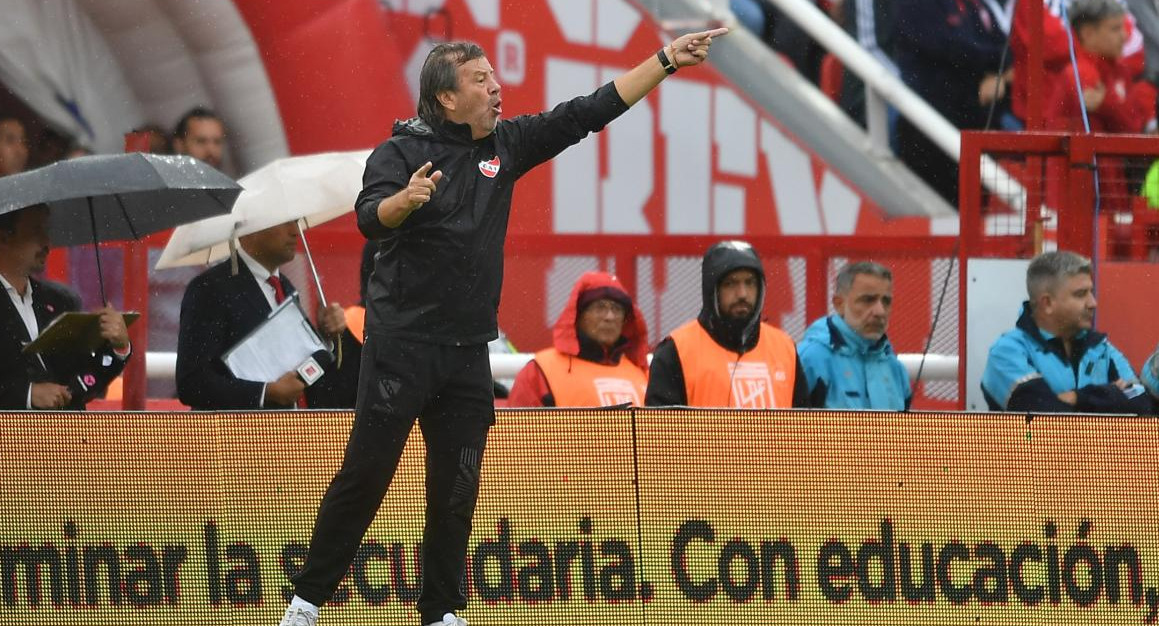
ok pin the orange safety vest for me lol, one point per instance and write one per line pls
(762, 378)
(578, 382)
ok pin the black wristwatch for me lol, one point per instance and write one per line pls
(668, 66)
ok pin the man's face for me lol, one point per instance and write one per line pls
(1070, 308)
(13, 147)
(1104, 38)
(736, 294)
(866, 306)
(274, 246)
(602, 321)
(476, 102)
(27, 247)
(204, 139)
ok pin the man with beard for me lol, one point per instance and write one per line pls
(728, 357)
(60, 380)
(1053, 360)
(849, 362)
(13, 146)
(200, 133)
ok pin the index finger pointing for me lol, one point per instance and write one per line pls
(716, 32)
(422, 171)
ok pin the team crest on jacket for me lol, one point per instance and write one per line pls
(490, 168)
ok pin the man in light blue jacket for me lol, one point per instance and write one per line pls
(1053, 361)
(848, 360)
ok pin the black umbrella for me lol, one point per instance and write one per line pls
(119, 196)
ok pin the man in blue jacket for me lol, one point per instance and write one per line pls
(848, 360)
(1054, 360)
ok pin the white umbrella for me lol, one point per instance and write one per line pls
(311, 189)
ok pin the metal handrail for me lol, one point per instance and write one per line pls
(938, 367)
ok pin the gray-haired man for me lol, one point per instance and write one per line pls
(1054, 360)
(848, 360)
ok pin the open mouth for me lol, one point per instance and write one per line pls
(497, 107)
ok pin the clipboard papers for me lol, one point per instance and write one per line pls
(280, 344)
(73, 332)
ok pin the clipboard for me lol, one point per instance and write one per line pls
(278, 345)
(73, 332)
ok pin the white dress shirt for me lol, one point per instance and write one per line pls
(23, 304)
(262, 276)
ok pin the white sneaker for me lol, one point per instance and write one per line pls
(449, 619)
(298, 617)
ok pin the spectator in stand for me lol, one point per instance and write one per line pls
(848, 360)
(948, 52)
(790, 40)
(1053, 360)
(1115, 101)
(782, 34)
(1055, 51)
(1056, 48)
(752, 14)
(599, 353)
(1146, 16)
(871, 23)
(200, 133)
(728, 357)
(13, 146)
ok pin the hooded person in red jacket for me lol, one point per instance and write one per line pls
(599, 352)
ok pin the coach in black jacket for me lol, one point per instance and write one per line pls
(436, 197)
(60, 380)
(220, 308)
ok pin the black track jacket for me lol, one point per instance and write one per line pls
(437, 276)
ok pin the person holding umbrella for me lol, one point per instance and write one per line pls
(436, 197)
(101, 198)
(53, 381)
(222, 306)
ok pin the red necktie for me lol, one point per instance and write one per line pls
(279, 293)
(279, 297)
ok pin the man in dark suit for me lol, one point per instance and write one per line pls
(60, 380)
(221, 307)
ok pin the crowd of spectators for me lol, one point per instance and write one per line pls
(968, 59)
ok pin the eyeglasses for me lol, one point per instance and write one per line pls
(603, 307)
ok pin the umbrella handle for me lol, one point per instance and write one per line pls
(310, 260)
(318, 285)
